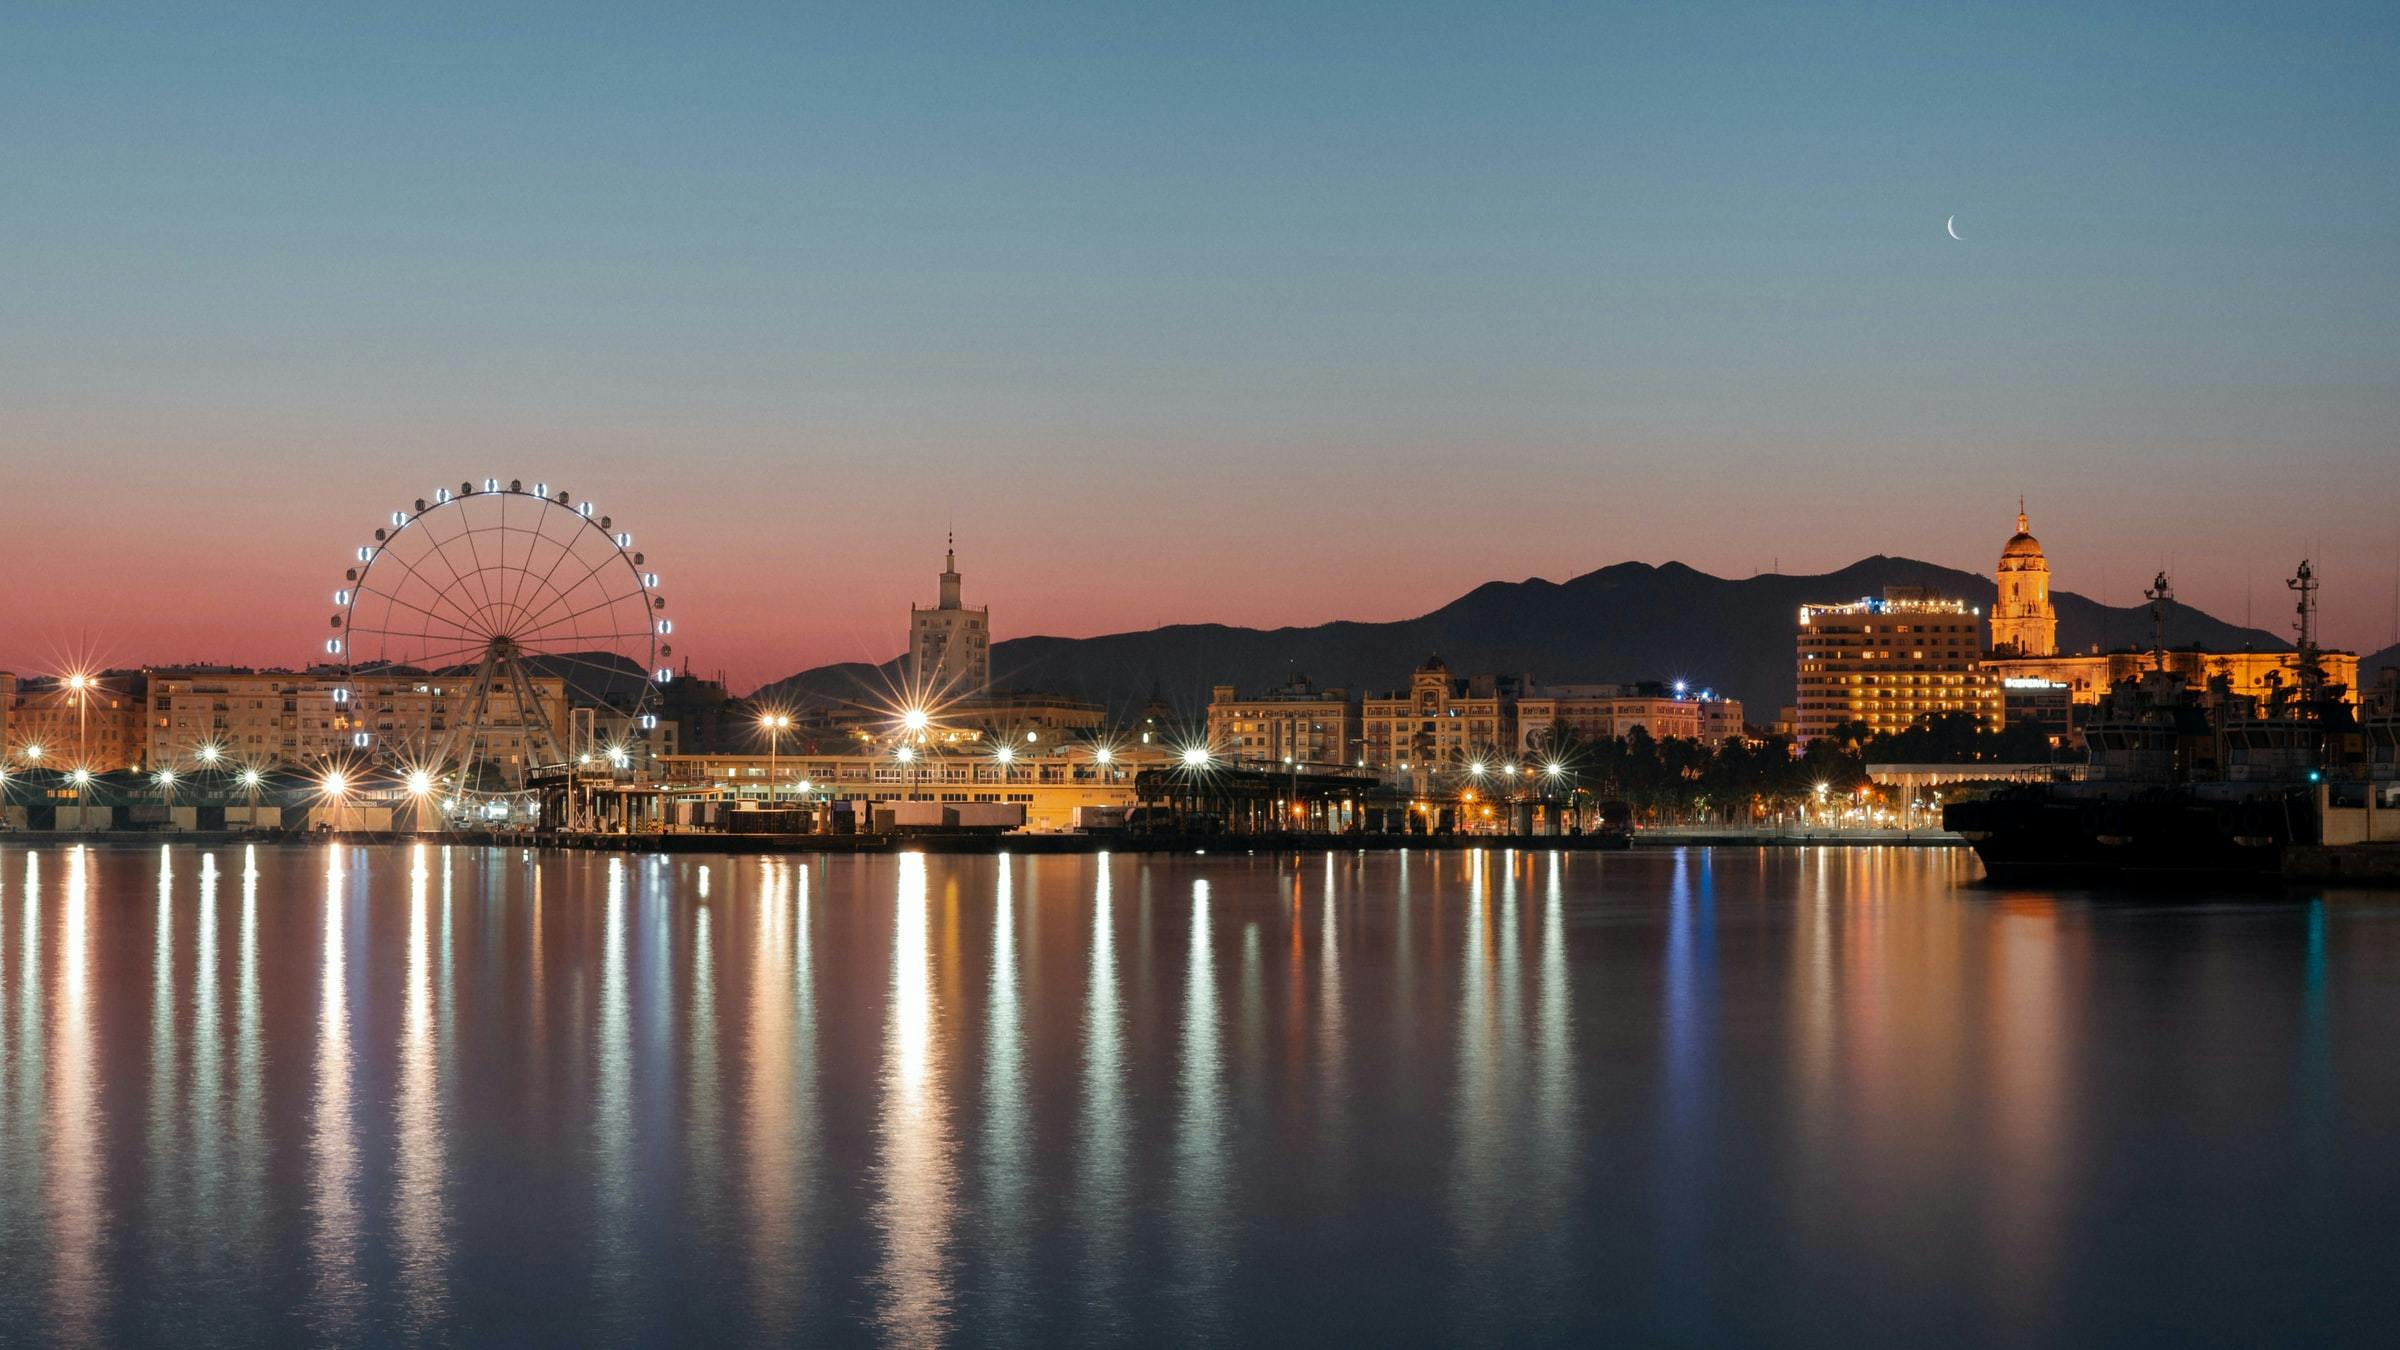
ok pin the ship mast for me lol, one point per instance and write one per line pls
(2160, 595)
(2312, 674)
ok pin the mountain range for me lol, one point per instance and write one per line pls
(1631, 621)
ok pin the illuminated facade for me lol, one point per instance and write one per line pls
(1888, 662)
(1051, 785)
(1439, 722)
(2024, 647)
(265, 718)
(97, 726)
(2023, 622)
(2257, 674)
(1595, 712)
(949, 645)
(1298, 721)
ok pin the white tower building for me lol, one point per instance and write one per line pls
(949, 645)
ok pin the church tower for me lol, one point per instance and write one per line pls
(2023, 623)
(949, 645)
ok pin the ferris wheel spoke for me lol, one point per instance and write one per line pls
(463, 622)
(570, 618)
(456, 578)
(475, 556)
(566, 550)
(533, 537)
(566, 596)
(569, 650)
(502, 576)
(430, 615)
(420, 660)
(533, 583)
(536, 536)
(434, 588)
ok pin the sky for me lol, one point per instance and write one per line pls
(1255, 314)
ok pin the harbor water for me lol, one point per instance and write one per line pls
(416, 1094)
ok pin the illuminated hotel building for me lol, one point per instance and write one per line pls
(1888, 662)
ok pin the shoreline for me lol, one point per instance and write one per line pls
(970, 844)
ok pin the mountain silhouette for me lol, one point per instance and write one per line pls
(1631, 621)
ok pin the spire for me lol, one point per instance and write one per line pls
(2022, 523)
(950, 598)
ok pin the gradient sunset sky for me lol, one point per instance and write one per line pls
(1262, 314)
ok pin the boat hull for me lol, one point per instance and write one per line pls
(2055, 832)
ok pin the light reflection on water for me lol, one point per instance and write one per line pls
(435, 1094)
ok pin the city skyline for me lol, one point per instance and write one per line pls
(881, 637)
(1258, 317)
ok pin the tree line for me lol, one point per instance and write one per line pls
(1678, 778)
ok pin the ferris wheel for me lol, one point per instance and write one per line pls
(471, 623)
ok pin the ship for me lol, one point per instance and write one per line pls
(2180, 780)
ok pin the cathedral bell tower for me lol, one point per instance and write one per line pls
(2023, 623)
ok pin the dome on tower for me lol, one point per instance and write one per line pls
(2022, 544)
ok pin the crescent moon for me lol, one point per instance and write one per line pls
(1952, 226)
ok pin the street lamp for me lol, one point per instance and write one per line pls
(775, 724)
(80, 685)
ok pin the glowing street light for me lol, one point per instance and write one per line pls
(208, 754)
(420, 783)
(915, 719)
(1195, 757)
(774, 724)
(335, 785)
(33, 753)
(1103, 755)
(250, 778)
(80, 684)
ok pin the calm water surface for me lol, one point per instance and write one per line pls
(424, 1095)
